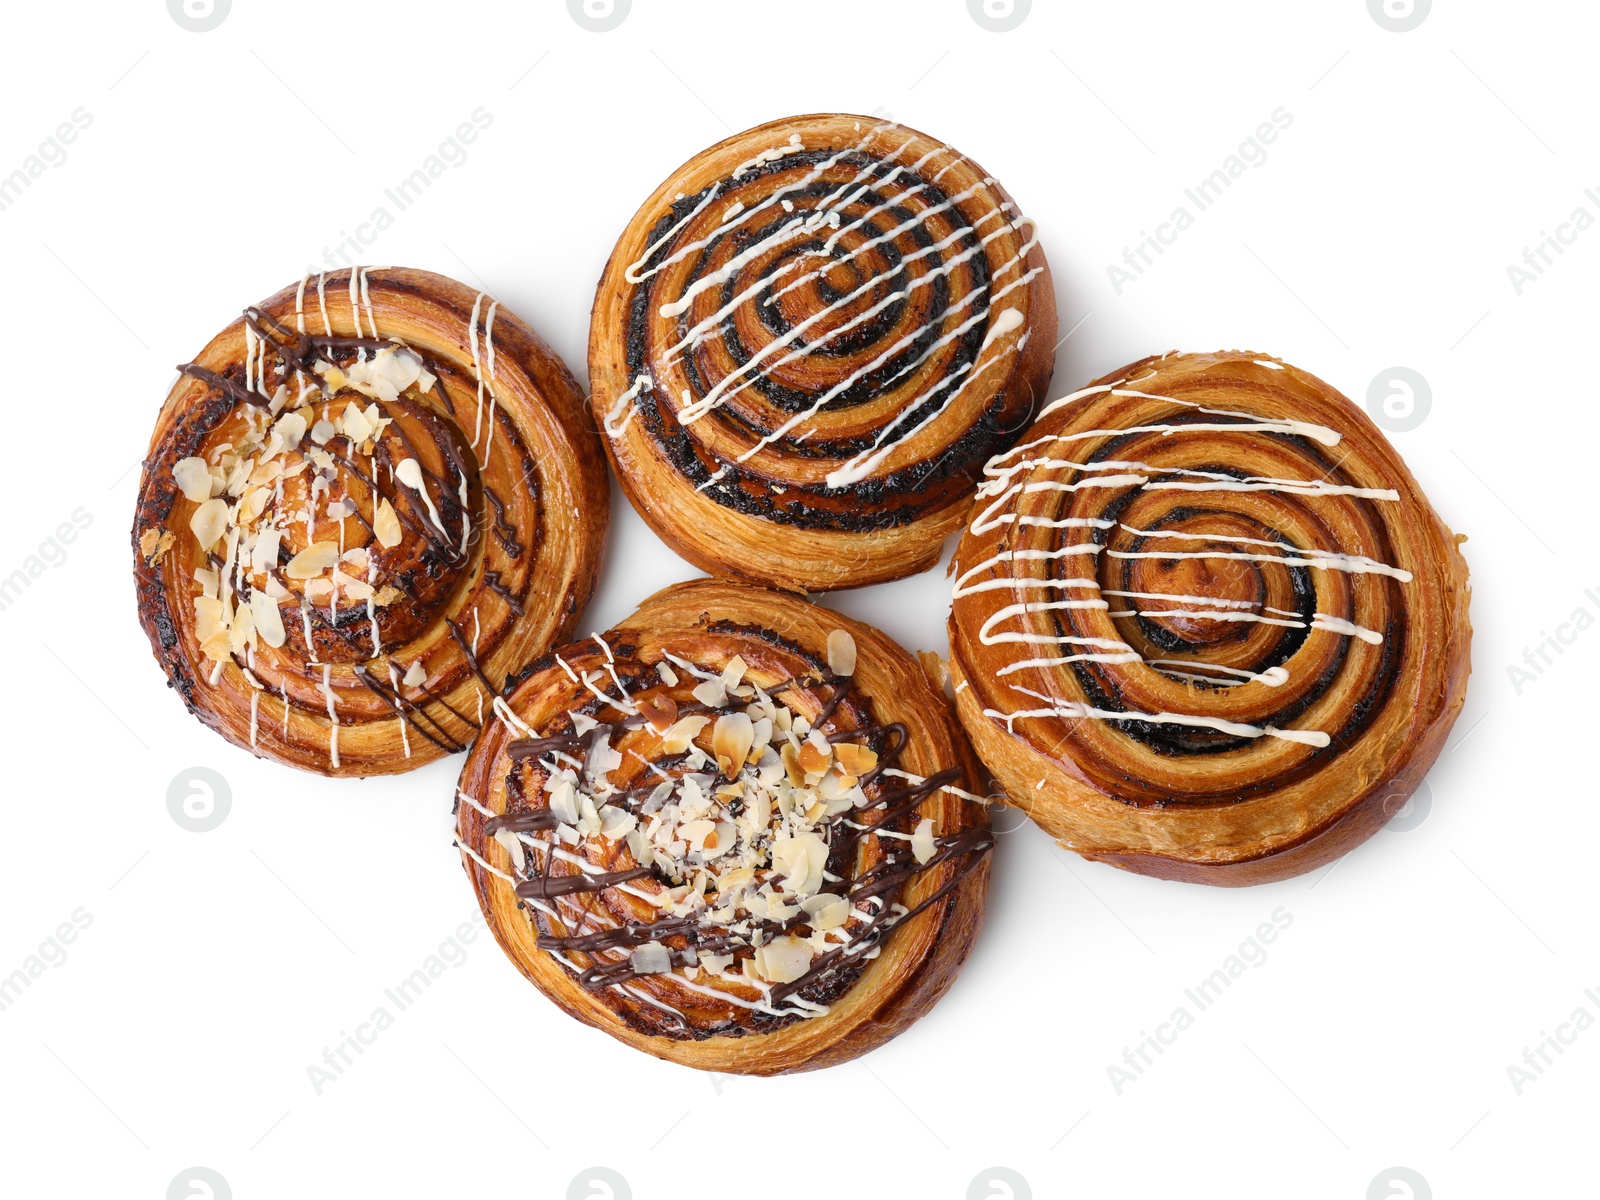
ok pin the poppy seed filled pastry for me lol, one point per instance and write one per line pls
(737, 831)
(807, 342)
(365, 502)
(1206, 626)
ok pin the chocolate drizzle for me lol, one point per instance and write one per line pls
(875, 889)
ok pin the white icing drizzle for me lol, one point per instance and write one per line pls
(1003, 488)
(626, 401)
(1074, 710)
(333, 716)
(1005, 335)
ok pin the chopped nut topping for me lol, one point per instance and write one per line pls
(153, 543)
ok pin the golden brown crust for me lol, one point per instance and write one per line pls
(718, 448)
(1165, 487)
(780, 638)
(519, 449)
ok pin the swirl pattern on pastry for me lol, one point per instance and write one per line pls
(809, 340)
(736, 832)
(365, 502)
(1205, 624)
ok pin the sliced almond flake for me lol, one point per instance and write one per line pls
(730, 741)
(783, 959)
(386, 525)
(660, 710)
(193, 478)
(683, 732)
(733, 673)
(255, 500)
(813, 759)
(854, 759)
(415, 674)
(290, 428)
(513, 847)
(922, 845)
(652, 958)
(242, 631)
(826, 910)
(841, 652)
(208, 617)
(564, 802)
(312, 561)
(801, 858)
(791, 766)
(264, 554)
(639, 846)
(712, 693)
(209, 522)
(668, 675)
(268, 619)
(216, 647)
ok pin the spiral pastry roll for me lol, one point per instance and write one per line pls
(809, 340)
(365, 502)
(1206, 625)
(736, 832)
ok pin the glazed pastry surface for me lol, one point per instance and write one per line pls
(1206, 625)
(365, 502)
(738, 831)
(809, 340)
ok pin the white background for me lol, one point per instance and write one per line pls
(218, 966)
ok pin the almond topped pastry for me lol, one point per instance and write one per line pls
(738, 831)
(365, 503)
